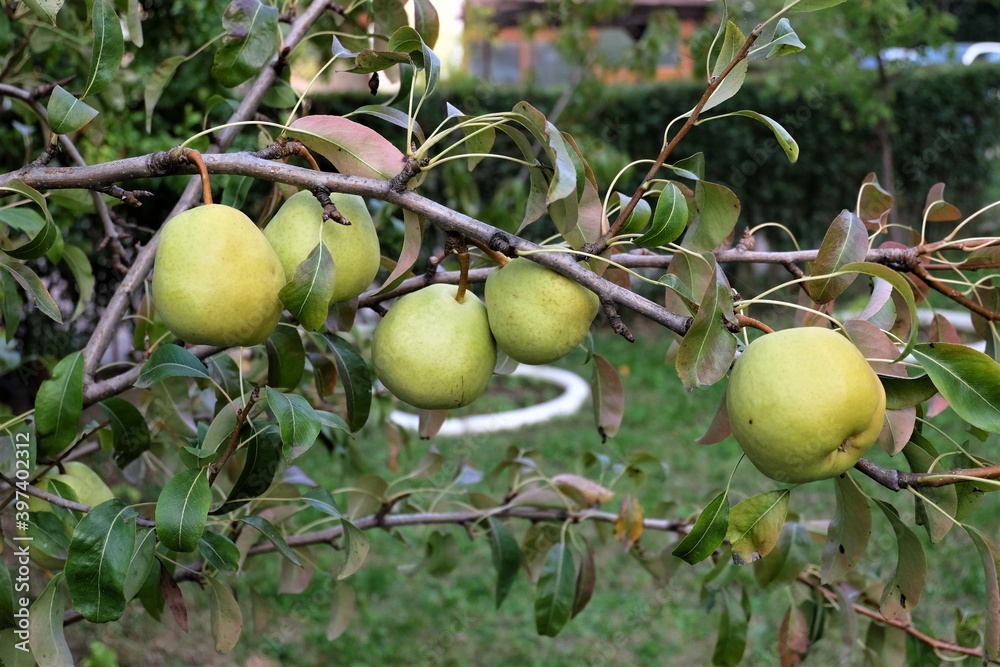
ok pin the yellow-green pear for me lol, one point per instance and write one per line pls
(432, 351)
(216, 278)
(298, 226)
(804, 404)
(537, 315)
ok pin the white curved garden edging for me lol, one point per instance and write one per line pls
(576, 392)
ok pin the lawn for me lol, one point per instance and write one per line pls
(416, 610)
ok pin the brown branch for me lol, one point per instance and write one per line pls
(905, 626)
(615, 320)
(241, 418)
(32, 490)
(957, 297)
(330, 211)
(897, 480)
(601, 244)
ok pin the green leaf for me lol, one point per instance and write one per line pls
(129, 432)
(718, 210)
(45, 236)
(787, 560)
(351, 147)
(784, 41)
(731, 642)
(268, 530)
(755, 525)
(170, 361)
(219, 551)
(322, 500)
(906, 392)
(669, 219)
(46, 636)
(989, 554)
(356, 545)
(157, 82)
(426, 22)
(921, 455)
(10, 305)
(182, 510)
(343, 608)
(108, 48)
(79, 266)
(848, 533)
(902, 592)
(98, 560)
(811, 5)
(706, 352)
(307, 295)
(564, 179)
(32, 284)
(6, 600)
(708, 531)
(297, 421)
(46, 9)
(785, 140)
(226, 616)
(556, 591)
(141, 562)
(67, 113)
(134, 23)
(608, 397)
(586, 579)
(441, 553)
(845, 242)
(286, 358)
(263, 457)
(968, 379)
(731, 85)
(506, 555)
(390, 115)
(59, 404)
(356, 378)
(250, 41)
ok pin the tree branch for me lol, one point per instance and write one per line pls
(897, 480)
(33, 490)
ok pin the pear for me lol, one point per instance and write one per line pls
(432, 351)
(804, 404)
(216, 278)
(298, 226)
(537, 315)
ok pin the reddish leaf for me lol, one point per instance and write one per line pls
(936, 209)
(897, 429)
(430, 423)
(846, 241)
(720, 428)
(941, 331)
(793, 637)
(174, 598)
(413, 236)
(351, 147)
(586, 577)
(609, 397)
(875, 345)
(874, 203)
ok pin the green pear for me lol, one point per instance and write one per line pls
(298, 225)
(216, 278)
(537, 315)
(432, 351)
(804, 404)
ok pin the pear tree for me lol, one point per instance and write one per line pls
(325, 288)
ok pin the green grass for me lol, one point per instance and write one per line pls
(406, 616)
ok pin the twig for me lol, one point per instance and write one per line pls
(32, 490)
(897, 480)
(241, 418)
(957, 297)
(615, 321)
(330, 211)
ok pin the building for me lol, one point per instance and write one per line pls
(513, 41)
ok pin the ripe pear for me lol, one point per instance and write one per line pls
(537, 315)
(298, 226)
(432, 351)
(216, 278)
(804, 404)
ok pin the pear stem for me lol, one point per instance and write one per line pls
(747, 321)
(463, 277)
(498, 258)
(195, 158)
